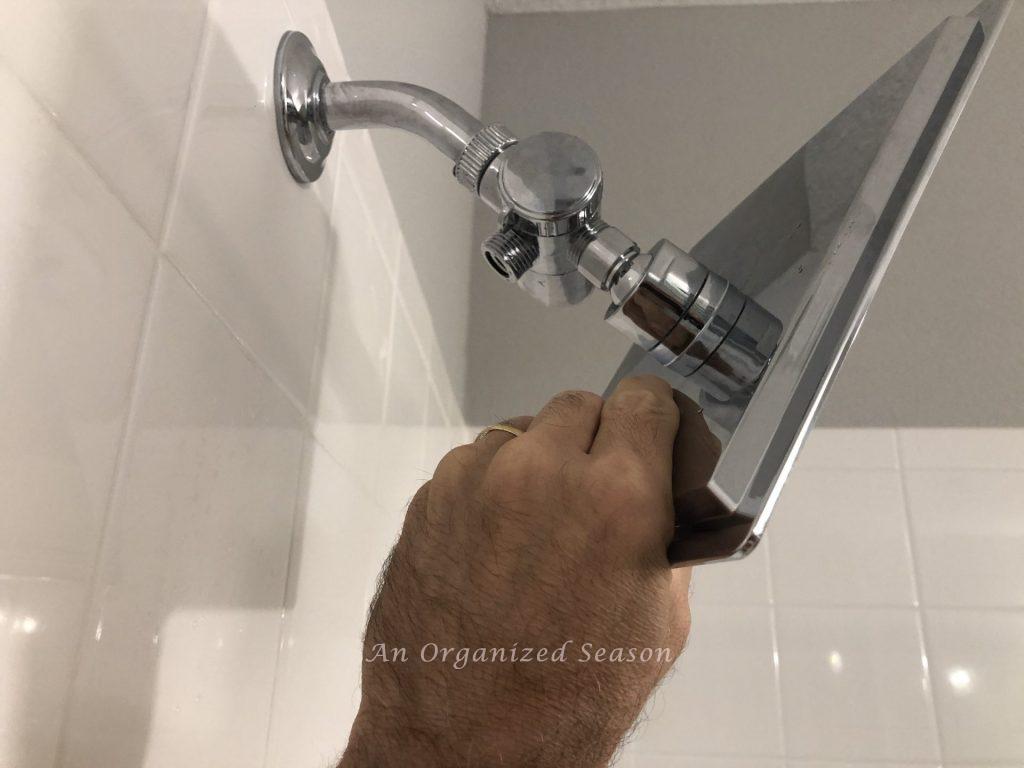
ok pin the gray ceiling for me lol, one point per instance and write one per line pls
(702, 104)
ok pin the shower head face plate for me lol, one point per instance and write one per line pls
(811, 245)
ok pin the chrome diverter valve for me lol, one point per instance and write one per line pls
(750, 325)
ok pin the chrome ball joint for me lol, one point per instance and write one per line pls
(553, 243)
(551, 240)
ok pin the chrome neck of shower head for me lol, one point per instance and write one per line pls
(751, 324)
(551, 239)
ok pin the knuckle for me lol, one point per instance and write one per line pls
(640, 405)
(516, 469)
(455, 466)
(575, 400)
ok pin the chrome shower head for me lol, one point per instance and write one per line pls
(754, 321)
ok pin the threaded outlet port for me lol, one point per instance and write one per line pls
(510, 255)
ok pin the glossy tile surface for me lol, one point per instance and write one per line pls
(962, 448)
(316, 694)
(672, 761)
(356, 340)
(738, 582)
(977, 664)
(968, 529)
(75, 272)
(849, 449)
(839, 537)
(179, 654)
(401, 466)
(253, 242)
(39, 622)
(147, 128)
(722, 698)
(854, 685)
(116, 77)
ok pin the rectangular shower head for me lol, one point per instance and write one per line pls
(811, 245)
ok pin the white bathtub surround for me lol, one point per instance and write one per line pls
(204, 365)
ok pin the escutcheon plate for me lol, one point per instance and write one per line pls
(299, 78)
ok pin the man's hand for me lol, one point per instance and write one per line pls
(553, 540)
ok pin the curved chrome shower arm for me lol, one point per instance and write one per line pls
(412, 108)
(551, 240)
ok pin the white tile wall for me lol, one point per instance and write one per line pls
(203, 365)
(220, 389)
(892, 581)
(115, 75)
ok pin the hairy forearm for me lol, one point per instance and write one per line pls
(383, 745)
(552, 538)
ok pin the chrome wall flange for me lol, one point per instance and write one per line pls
(299, 80)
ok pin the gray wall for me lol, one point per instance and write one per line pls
(689, 109)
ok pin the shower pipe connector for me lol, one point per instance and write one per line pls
(551, 239)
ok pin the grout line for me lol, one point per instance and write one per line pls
(246, 349)
(392, 270)
(78, 151)
(929, 674)
(301, 496)
(116, 485)
(392, 324)
(773, 623)
(187, 131)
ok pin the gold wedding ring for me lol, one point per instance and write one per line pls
(514, 431)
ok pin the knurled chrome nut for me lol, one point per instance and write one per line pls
(486, 144)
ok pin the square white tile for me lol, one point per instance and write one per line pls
(316, 695)
(722, 698)
(440, 436)
(39, 623)
(673, 761)
(977, 664)
(968, 533)
(401, 466)
(734, 582)
(180, 652)
(839, 537)
(962, 448)
(116, 75)
(847, 764)
(253, 242)
(75, 274)
(831, 448)
(357, 152)
(356, 340)
(854, 685)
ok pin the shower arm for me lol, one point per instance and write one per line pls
(551, 239)
(411, 108)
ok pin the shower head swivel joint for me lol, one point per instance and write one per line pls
(551, 239)
(552, 242)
